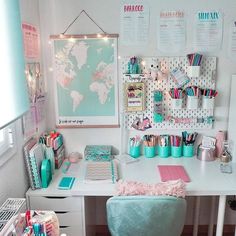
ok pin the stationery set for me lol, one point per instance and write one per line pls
(100, 164)
(41, 158)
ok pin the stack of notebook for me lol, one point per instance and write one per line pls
(33, 153)
(102, 171)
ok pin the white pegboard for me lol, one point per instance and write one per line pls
(207, 79)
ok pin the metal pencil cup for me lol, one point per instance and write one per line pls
(176, 151)
(149, 151)
(188, 150)
(134, 151)
(163, 151)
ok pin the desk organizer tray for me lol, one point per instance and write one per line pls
(98, 153)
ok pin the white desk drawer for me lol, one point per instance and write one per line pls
(56, 203)
(71, 231)
(69, 219)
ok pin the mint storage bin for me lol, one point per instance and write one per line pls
(176, 151)
(149, 152)
(188, 150)
(163, 151)
(134, 151)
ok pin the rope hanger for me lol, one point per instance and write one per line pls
(77, 17)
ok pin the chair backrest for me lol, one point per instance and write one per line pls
(146, 215)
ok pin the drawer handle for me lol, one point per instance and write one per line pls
(55, 197)
(61, 212)
(64, 227)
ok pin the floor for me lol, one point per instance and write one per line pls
(228, 231)
(184, 234)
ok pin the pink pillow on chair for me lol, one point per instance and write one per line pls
(171, 188)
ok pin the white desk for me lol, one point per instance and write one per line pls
(206, 180)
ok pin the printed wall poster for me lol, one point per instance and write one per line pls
(207, 30)
(134, 23)
(31, 41)
(232, 41)
(134, 96)
(171, 32)
(35, 81)
(85, 75)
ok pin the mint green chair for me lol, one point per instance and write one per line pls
(145, 215)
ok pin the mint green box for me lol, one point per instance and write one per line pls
(98, 153)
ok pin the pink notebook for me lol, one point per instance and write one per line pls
(173, 172)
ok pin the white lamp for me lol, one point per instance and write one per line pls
(14, 100)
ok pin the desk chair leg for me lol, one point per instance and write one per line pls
(211, 223)
(221, 215)
(196, 216)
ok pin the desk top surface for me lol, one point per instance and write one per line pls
(206, 178)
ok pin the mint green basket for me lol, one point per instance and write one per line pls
(134, 151)
(163, 151)
(176, 151)
(188, 150)
(149, 152)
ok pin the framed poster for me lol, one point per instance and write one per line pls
(86, 84)
(134, 96)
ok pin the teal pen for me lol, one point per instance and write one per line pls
(37, 229)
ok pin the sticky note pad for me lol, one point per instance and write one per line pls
(173, 172)
(66, 183)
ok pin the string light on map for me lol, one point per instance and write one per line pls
(71, 39)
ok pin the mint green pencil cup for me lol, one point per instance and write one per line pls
(163, 151)
(149, 152)
(188, 150)
(134, 151)
(176, 151)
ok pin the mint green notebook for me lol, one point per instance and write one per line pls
(66, 183)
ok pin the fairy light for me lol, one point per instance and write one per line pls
(50, 69)
(85, 37)
(71, 39)
(105, 38)
(143, 63)
(99, 35)
(119, 57)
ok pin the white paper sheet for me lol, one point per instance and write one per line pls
(171, 31)
(134, 23)
(232, 41)
(207, 30)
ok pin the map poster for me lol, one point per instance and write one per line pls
(86, 84)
